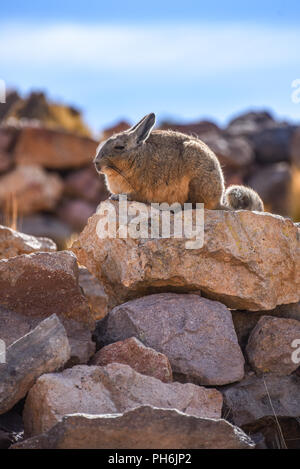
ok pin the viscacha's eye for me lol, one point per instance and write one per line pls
(119, 147)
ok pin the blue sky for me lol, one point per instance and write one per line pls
(187, 60)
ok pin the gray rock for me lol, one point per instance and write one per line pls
(14, 325)
(250, 122)
(233, 152)
(47, 225)
(44, 349)
(196, 334)
(274, 144)
(145, 427)
(272, 182)
(253, 398)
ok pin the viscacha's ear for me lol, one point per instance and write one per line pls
(143, 128)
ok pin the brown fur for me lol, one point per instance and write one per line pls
(162, 166)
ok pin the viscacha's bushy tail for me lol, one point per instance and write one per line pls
(242, 198)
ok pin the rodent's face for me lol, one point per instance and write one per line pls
(111, 153)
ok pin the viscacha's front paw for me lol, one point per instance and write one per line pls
(117, 196)
(114, 197)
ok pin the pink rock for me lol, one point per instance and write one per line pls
(76, 212)
(142, 359)
(86, 184)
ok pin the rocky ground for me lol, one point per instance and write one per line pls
(141, 343)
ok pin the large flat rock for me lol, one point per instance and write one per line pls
(145, 427)
(249, 260)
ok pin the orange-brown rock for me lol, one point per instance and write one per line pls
(13, 243)
(111, 389)
(132, 352)
(32, 188)
(53, 148)
(7, 139)
(248, 261)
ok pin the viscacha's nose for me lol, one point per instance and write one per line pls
(97, 163)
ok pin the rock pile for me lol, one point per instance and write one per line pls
(249, 260)
(151, 344)
(134, 343)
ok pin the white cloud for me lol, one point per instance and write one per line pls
(198, 49)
